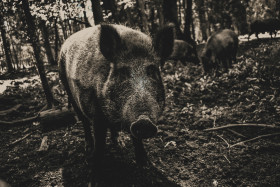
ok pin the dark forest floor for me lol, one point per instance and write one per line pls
(182, 154)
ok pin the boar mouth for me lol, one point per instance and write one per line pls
(143, 128)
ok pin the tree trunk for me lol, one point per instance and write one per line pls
(179, 14)
(129, 17)
(56, 42)
(188, 19)
(238, 14)
(16, 60)
(97, 11)
(6, 45)
(193, 31)
(13, 52)
(278, 8)
(47, 45)
(202, 20)
(85, 15)
(152, 20)
(63, 30)
(37, 51)
(18, 48)
(169, 10)
(143, 16)
(111, 5)
(67, 22)
(160, 15)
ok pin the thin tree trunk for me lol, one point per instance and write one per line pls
(277, 8)
(129, 17)
(114, 10)
(18, 48)
(202, 20)
(56, 40)
(188, 19)
(15, 55)
(76, 26)
(143, 16)
(13, 52)
(193, 31)
(47, 45)
(169, 9)
(63, 30)
(238, 15)
(152, 20)
(85, 15)
(37, 50)
(97, 11)
(6, 45)
(2, 63)
(111, 5)
(160, 15)
(179, 14)
(69, 26)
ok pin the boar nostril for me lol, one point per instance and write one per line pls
(143, 128)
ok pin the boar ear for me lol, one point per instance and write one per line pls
(110, 42)
(164, 41)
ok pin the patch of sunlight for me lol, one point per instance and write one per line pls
(244, 38)
(23, 83)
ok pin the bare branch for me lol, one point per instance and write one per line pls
(243, 125)
(256, 138)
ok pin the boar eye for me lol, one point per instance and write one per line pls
(123, 73)
(153, 72)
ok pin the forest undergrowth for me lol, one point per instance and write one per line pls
(182, 153)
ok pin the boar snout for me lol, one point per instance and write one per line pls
(143, 128)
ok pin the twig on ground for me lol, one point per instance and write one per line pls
(226, 158)
(256, 138)
(237, 133)
(214, 122)
(243, 125)
(224, 140)
(20, 139)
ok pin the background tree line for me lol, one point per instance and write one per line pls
(54, 20)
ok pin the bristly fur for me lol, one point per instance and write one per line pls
(112, 74)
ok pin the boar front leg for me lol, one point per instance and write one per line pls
(140, 153)
(98, 152)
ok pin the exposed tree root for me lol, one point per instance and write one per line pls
(5, 112)
(19, 122)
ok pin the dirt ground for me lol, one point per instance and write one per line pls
(182, 153)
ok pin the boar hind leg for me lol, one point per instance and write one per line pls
(140, 153)
(86, 123)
